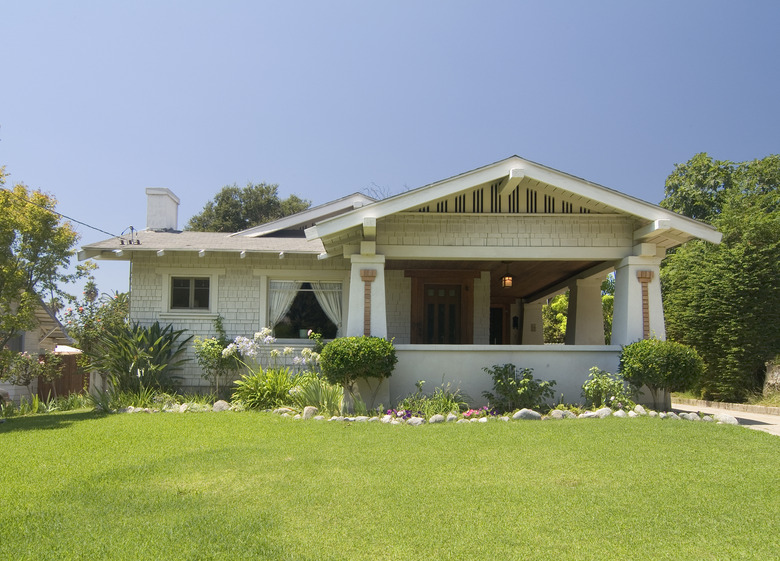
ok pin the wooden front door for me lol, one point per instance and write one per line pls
(442, 314)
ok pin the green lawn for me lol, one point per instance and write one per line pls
(256, 486)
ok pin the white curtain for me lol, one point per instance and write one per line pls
(280, 299)
(328, 294)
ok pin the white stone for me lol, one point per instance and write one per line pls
(220, 406)
(415, 421)
(452, 417)
(319, 417)
(483, 419)
(386, 418)
(640, 410)
(436, 419)
(603, 412)
(633, 414)
(459, 421)
(309, 411)
(725, 419)
(361, 419)
(620, 413)
(504, 418)
(527, 415)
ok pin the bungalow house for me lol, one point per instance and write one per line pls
(44, 337)
(455, 272)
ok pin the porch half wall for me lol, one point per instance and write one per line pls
(461, 366)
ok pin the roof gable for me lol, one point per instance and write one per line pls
(309, 217)
(521, 187)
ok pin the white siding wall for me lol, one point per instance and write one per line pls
(238, 294)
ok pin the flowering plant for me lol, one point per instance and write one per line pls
(483, 411)
(20, 369)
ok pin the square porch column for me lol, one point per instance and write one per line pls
(367, 307)
(533, 325)
(585, 322)
(638, 312)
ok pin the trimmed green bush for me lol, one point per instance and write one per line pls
(660, 365)
(347, 359)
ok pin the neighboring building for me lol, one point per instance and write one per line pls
(455, 272)
(44, 338)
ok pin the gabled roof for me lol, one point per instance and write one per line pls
(309, 217)
(658, 225)
(50, 326)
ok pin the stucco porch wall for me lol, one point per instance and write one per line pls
(504, 230)
(461, 366)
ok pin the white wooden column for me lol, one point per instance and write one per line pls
(585, 321)
(533, 325)
(367, 307)
(638, 312)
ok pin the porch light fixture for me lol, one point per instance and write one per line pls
(506, 280)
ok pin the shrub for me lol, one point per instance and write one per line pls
(265, 389)
(660, 365)
(444, 400)
(20, 369)
(346, 359)
(217, 366)
(319, 393)
(603, 389)
(517, 389)
(139, 356)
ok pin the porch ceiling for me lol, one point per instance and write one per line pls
(530, 277)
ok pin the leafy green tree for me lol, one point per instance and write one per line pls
(86, 320)
(35, 249)
(724, 300)
(234, 209)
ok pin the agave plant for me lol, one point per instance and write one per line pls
(138, 356)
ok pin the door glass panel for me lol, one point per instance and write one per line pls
(442, 310)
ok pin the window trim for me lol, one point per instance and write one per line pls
(167, 276)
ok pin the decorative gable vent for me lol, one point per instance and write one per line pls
(540, 198)
(530, 201)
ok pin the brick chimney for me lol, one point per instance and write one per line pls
(162, 210)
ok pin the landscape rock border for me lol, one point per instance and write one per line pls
(312, 413)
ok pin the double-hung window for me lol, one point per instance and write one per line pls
(190, 293)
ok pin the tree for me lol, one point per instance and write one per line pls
(35, 248)
(724, 300)
(86, 320)
(234, 209)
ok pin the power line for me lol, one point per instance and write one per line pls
(29, 202)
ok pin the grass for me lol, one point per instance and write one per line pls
(253, 485)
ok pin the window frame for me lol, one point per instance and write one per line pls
(167, 311)
(302, 276)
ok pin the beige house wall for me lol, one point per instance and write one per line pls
(239, 293)
(570, 230)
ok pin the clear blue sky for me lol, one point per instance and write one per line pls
(102, 99)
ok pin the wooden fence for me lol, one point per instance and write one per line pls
(73, 380)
